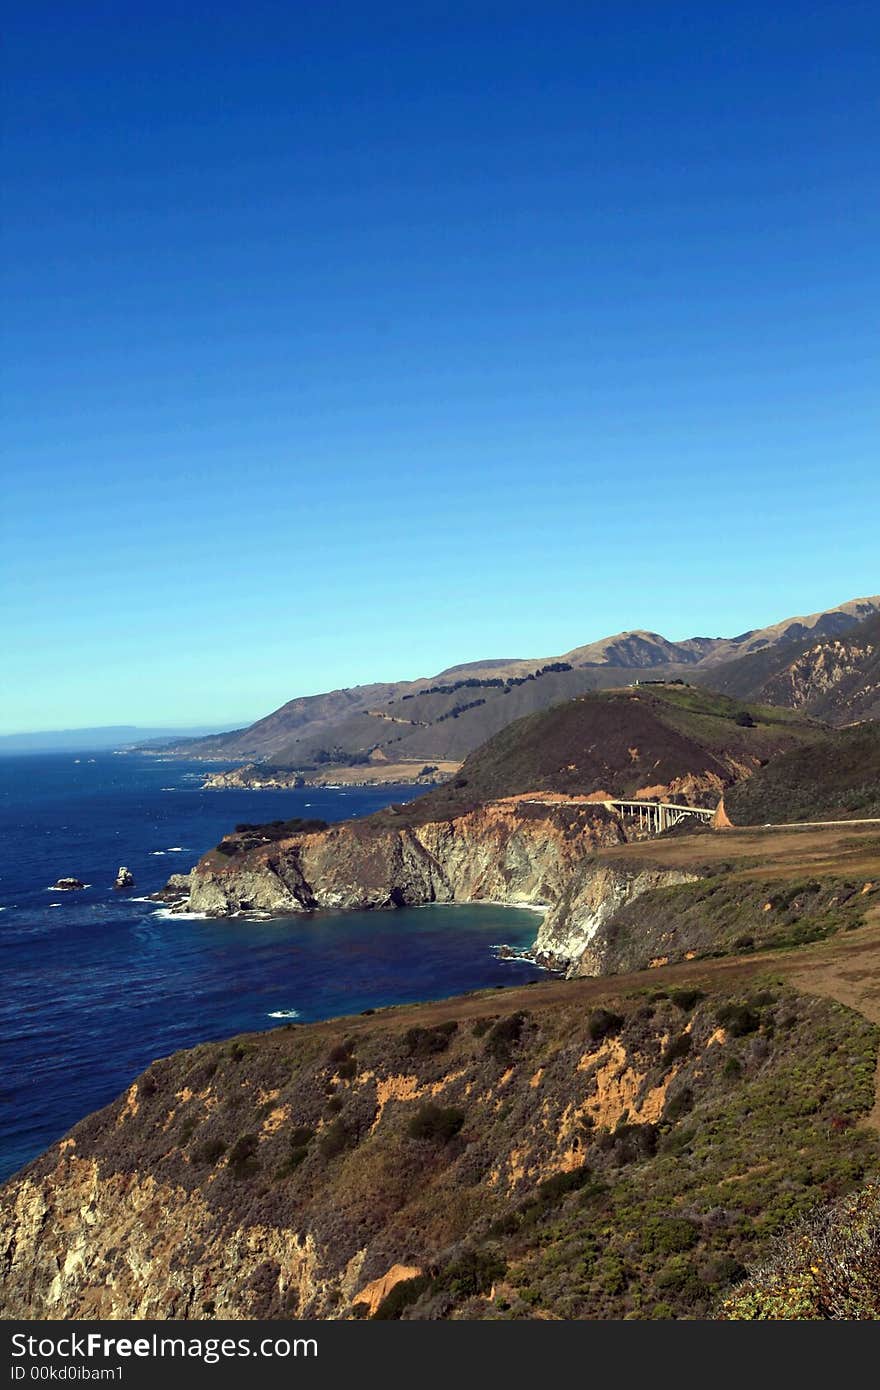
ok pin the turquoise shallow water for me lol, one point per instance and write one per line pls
(95, 985)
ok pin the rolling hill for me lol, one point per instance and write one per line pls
(445, 717)
(666, 741)
(836, 678)
(835, 777)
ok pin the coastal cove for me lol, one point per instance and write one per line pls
(97, 983)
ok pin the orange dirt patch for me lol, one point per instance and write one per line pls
(274, 1120)
(373, 1293)
(130, 1107)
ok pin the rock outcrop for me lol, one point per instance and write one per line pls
(176, 890)
(573, 936)
(506, 851)
(380, 773)
(124, 878)
(68, 885)
(521, 851)
(497, 1153)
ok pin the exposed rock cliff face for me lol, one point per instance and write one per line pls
(573, 933)
(820, 671)
(516, 850)
(540, 1153)
(835, 678)
(523, 821)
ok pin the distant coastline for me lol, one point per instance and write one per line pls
(257, 777)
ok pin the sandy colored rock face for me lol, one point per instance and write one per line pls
(515, 850)
(124, 1219)
(373, 1293)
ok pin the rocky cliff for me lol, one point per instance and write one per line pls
(522, 822)
(518, 850)
(835, 677)
(555, 1151)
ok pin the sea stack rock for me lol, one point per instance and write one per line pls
(124, 878)
(176, 890)
(67, 885)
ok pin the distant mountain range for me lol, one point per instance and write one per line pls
(832, 677)
(825, 664)
(94, 740)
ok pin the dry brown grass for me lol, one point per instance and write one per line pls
(780, 852)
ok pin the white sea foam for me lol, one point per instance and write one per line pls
(176, 849)
(181, 916)
(284, 1013)
(519, 957)
(502, 902)
(157, 851)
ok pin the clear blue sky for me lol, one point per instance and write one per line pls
(347, 341)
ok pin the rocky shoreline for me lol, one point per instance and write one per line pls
(542, 857)
(259, 777)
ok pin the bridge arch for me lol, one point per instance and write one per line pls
(657, 816)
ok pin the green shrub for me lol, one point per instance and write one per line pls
(300, 1136)
(209, 1152)
(474, 1272)
(426, 1042)
(242, 1156)
(291, 1163)
(335, 1139)
(436, 1122)
(721, 1270)
(677, 1105)
(668, 1235)
(505, 1034)
(675, 1049)
(738, 1019)
(552, 1189)
(685, 999)
(187, 1130)
(602, 1023)
(628, 1143)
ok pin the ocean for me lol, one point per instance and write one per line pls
(95, 984)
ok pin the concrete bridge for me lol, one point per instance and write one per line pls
(657, 816)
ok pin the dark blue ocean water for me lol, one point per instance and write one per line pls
(94, 985)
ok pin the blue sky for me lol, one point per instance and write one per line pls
(345, 342)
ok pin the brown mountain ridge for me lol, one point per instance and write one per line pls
(445, 717)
